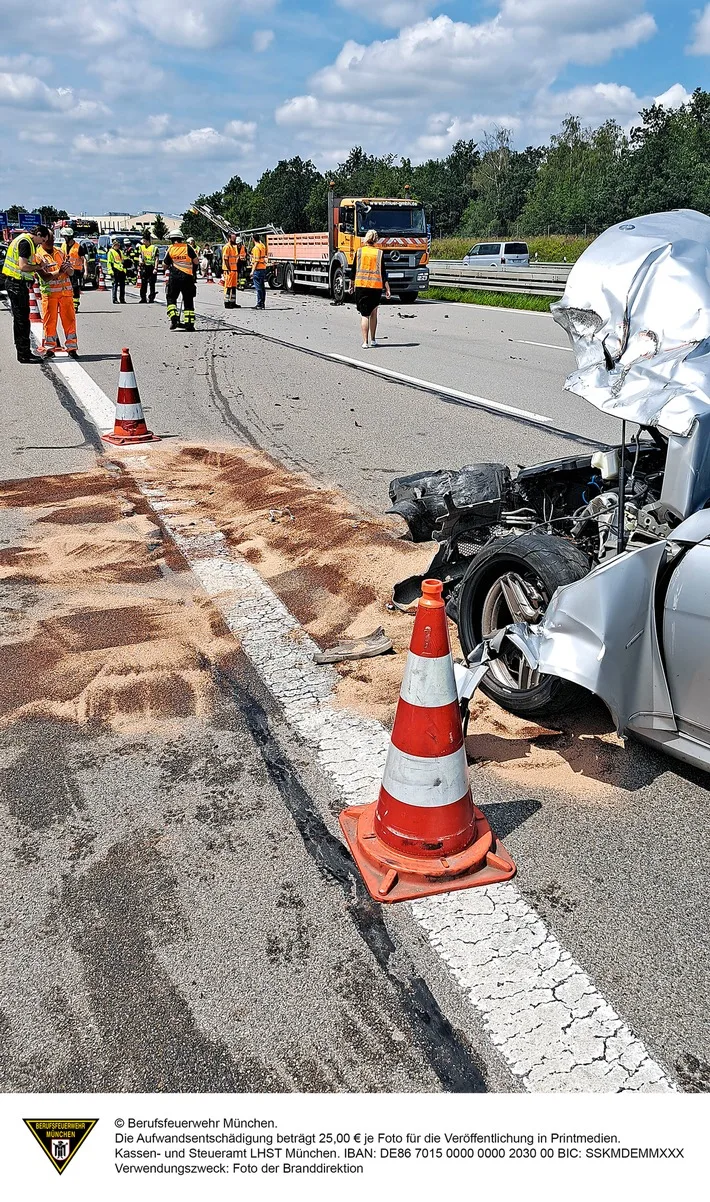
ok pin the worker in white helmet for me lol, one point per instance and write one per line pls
(179, 263)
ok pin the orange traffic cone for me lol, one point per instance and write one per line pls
(424, 835)
(129, 426)
(208, 274)
(35, 312)
(102, 282)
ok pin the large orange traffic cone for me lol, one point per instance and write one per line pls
(35, 313)
(102, 282)
(424, 835)
(129, 426)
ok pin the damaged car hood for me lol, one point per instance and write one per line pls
(637, 311)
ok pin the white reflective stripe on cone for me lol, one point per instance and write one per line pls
(129, 413)
(417, 780)
(127, 379)
(428, 682)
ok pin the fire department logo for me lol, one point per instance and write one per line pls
(60, 1139)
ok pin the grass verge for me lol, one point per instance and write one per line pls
(549, 249)
(503, 300)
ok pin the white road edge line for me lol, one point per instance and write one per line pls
(549, 1022)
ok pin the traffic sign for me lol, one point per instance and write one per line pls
(4, 223)
(29, 220)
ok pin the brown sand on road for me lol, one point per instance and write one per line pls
(333, 565)
(105, 623)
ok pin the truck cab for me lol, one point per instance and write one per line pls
(402, 236)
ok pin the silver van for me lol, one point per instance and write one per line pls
(498, 254)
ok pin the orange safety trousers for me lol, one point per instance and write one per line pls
(61, 305)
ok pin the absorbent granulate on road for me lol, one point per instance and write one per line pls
(108, 626)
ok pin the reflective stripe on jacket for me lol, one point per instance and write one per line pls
(179, 257)
(114, 261)
(368, 268)
(258, 256)
(230, 257)
(148, 254)
(60, 284)
(11, 266)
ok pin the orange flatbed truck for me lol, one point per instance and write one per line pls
(327, 260)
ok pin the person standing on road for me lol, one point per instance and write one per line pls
(242, 266)
(370, 279)
(72, 249)
(57, 297)
(19, 269)
(258, 272)
(180, 266)
(116, 268)
(147, 257)
(230, 272)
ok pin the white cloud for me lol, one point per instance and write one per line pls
(113, 145)
(200, 142)
(32, 94)
(673, 97)
(39, 137)
(308, 110)
(245, 130)
(126, 73)
(158, 124)
(262, 39)
(393, 13)
(701, 34)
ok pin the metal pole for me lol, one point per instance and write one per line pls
(622, 492)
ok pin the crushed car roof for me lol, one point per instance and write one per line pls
(637, 311)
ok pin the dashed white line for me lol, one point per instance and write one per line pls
(552, 346)
(549, 1022)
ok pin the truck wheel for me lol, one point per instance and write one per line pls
(274, 278)
(288, 283)
(408, 297)
(337, 286)
(531, 566)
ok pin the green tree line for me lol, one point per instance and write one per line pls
(582, 181)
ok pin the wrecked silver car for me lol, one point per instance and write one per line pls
(598, 567)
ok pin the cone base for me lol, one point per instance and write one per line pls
(390, 876)
(125, 440)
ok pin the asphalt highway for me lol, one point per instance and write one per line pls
(609, 872)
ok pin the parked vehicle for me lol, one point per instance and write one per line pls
(326, 260)
(516, 552)
(498, 254)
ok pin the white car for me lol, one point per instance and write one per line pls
(498, 254)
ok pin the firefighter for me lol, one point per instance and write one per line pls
(71, 248)
(19, 270)
(191, 242)
(147, 258)
(242, 266)
(57, 297)
(230, 272)
(116, 268)
(130, 261)
(258, 272)
(180, 266)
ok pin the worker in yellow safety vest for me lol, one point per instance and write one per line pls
(230, 272)
(116, 268)
(370, 279)
(180, 265)
(57, 297)
(72, 249)
(19, 270)
(147, 261)
(258, 272)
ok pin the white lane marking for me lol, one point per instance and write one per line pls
(428, 682)
(552, 346)
(552, 1026)
(426, 781)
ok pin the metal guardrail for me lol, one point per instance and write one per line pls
(540, 279)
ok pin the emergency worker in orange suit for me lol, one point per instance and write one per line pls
(230, 272)
(179, 264)
(57, 297)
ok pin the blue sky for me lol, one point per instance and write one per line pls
(136, 104)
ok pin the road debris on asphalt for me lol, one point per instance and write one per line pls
(366, 647)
